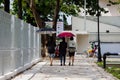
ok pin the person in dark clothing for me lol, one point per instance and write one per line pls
(51, 49)
(62, 51)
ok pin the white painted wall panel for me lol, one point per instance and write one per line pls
(110, 47)
(92, 30)
(19, 44)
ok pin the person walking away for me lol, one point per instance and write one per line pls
(51, 49)
(72, 49)
(95, 51)
(62, 51)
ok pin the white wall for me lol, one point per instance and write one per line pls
(91, 28)
(82, 43)
(110, 47)
(19, 45)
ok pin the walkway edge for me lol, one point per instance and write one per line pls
(19, 70)
(28, 74)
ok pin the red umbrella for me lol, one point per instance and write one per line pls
(65, 34)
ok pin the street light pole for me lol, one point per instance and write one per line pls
(99, 49)
(84, 15)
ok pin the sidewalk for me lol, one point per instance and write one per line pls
(83, 69)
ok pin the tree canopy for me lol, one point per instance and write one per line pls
(46, 9)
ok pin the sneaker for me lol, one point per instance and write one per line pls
(60, 64)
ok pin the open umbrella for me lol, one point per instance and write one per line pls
(66, 34)
(46, 31)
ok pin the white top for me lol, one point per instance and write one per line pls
(71, 43)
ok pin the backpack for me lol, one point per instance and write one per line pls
(72, 49)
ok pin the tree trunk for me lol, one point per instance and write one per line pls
(39, 21)
(56, 12)
(20, 9)
(57, 9)
(7, 6)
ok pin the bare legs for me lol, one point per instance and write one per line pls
(51, 61)
(71, 59)
(51, 58)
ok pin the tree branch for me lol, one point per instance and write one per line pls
(39, 21)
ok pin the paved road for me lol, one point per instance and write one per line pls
(83, 69)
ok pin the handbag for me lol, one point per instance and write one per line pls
(72, 49)
(57, 51)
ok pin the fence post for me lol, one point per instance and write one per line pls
(21, 35)
(34, 43)
(29, 42)
(104, 60)
(12, 64)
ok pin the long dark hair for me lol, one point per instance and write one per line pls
(63, 39)
(71, 38)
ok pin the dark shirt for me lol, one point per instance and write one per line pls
(51, 47)
(62, 47)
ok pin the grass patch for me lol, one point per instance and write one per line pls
(100, 64)
(115, 71)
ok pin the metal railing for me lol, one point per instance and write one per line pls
(105, 56)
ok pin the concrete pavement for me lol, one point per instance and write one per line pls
(84, 69)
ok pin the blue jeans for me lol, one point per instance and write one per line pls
(62, 58)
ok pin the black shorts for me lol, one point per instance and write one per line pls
(71, 54)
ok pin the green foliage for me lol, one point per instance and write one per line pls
(70, 9)
(15, 8)
(1, 1)
(114, 71)
(46, 8)
(27, 13)
(100, 64)
(114, 3)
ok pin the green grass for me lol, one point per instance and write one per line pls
(115, 71)
(100, 64)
